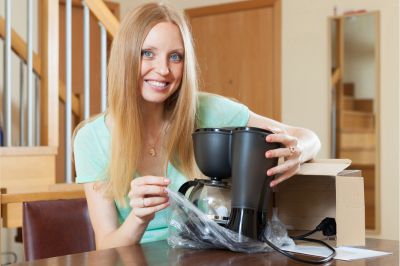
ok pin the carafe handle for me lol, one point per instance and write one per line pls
(184, 188)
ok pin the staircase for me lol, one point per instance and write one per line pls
(32, 168)
(357, 141)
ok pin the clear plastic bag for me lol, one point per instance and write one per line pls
(190, 228)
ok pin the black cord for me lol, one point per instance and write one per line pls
(293, 257)
(300, 237)
(328, 228)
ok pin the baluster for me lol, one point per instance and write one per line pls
(30, 74)
(103, 67)
(7, 112)
(86, 52)
(68, 91)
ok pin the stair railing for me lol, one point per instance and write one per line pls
(44, 70)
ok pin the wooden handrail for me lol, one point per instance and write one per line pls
(336, 76)
(53, 195)
(53, 192)
(19, 47)
(104, 15)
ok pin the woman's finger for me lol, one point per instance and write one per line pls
(142, 212)
(147, 202)
(148, 190)
(150, 180)
(283, 152)
(284, 176)
(285, 139)
(282, 168)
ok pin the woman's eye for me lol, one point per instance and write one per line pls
(147, 53)
(175, 57)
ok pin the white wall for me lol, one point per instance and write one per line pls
(359, 54)
(306, 75)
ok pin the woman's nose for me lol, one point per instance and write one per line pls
(162, 67)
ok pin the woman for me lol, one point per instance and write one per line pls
(142, 144)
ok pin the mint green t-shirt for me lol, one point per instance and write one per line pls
(92, 153)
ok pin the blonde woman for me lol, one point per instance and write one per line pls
(142, 144)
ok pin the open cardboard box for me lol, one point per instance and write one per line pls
(323, 188)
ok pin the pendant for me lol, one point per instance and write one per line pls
(152, 152)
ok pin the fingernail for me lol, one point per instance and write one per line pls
(166, 180)
(268, 138)
(269, 173)
(268, 154)
(272, 184)
(165, 191)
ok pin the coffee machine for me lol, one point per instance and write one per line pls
(234, 160)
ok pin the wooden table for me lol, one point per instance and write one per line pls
(159, 253)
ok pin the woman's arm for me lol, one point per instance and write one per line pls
(299, 145)
(103, 216)
(103, 213)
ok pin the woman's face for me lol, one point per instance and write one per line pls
(162, 62)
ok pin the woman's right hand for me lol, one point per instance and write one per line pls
(147, 196)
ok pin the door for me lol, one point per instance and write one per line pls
(238, 48)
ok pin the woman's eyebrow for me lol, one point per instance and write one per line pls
(180, 50)
(149, 47)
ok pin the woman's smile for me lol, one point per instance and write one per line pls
(156, 84)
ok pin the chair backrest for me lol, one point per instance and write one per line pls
(56, 227)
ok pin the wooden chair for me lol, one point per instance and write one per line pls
(56, 227)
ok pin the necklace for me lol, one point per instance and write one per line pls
(152, 151)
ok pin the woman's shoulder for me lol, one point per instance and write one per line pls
(92, 126)
(216, 110)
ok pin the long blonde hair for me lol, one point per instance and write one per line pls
(124, 98)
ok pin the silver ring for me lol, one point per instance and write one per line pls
(144, 205)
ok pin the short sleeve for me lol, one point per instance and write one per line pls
(90, 157)
(218, 111)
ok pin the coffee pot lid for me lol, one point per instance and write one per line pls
(253, 129)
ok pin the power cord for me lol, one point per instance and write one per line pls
(328, 228)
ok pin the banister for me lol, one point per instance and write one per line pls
(104, 15)
(18, 45)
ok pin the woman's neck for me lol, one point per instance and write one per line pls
(153, 116)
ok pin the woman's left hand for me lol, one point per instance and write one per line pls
(291, 152)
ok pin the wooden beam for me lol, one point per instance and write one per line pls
(336, 76)
(104, 15)
(50, 77)
(50, 195)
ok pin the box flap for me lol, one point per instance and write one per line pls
(329, 167)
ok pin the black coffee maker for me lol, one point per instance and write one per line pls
(239, 153)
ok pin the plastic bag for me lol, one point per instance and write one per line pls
(191, 228)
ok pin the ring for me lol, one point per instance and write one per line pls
(144, 205)
(291, 150)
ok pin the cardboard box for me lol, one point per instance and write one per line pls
(323, 188)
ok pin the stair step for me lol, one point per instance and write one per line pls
(365, 105)
(348, 103)
(357, 120)
(362, 157)
(362, 105)
(357, 140)
(348, 89)
(27, 168)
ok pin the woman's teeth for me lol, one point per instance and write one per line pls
(157, 84)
